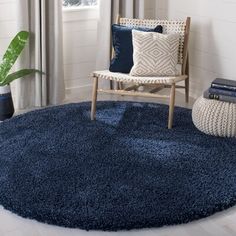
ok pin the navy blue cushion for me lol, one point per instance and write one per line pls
(123, 46)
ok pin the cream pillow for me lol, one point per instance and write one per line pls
(155, 54)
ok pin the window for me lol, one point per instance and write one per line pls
(74, 3)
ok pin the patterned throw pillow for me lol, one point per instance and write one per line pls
(155, 54)
(123, 46)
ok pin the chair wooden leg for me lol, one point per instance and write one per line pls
(187, 81)
(187, 90)
(171, 106)
(94, 98)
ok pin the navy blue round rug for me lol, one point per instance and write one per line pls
(124, 171)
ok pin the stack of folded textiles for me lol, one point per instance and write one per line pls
(222, 90)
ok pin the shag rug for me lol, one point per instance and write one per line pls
(124, 171)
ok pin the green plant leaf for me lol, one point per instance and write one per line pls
(17, 75)
(14, 50)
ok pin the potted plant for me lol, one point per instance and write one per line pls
(13, 52)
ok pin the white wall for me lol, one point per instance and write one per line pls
(212, 41)
(150, 9)
(161, 9)
(8, 27)
(80, 37)
(80, 33)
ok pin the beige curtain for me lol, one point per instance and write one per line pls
(108, 11)
(43, 18)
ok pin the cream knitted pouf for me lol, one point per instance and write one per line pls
(215, 117)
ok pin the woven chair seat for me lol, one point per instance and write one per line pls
(126, 78)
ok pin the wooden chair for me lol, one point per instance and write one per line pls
(156, 83)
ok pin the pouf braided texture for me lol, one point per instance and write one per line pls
(215, 117)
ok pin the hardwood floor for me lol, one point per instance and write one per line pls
(221, 224)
